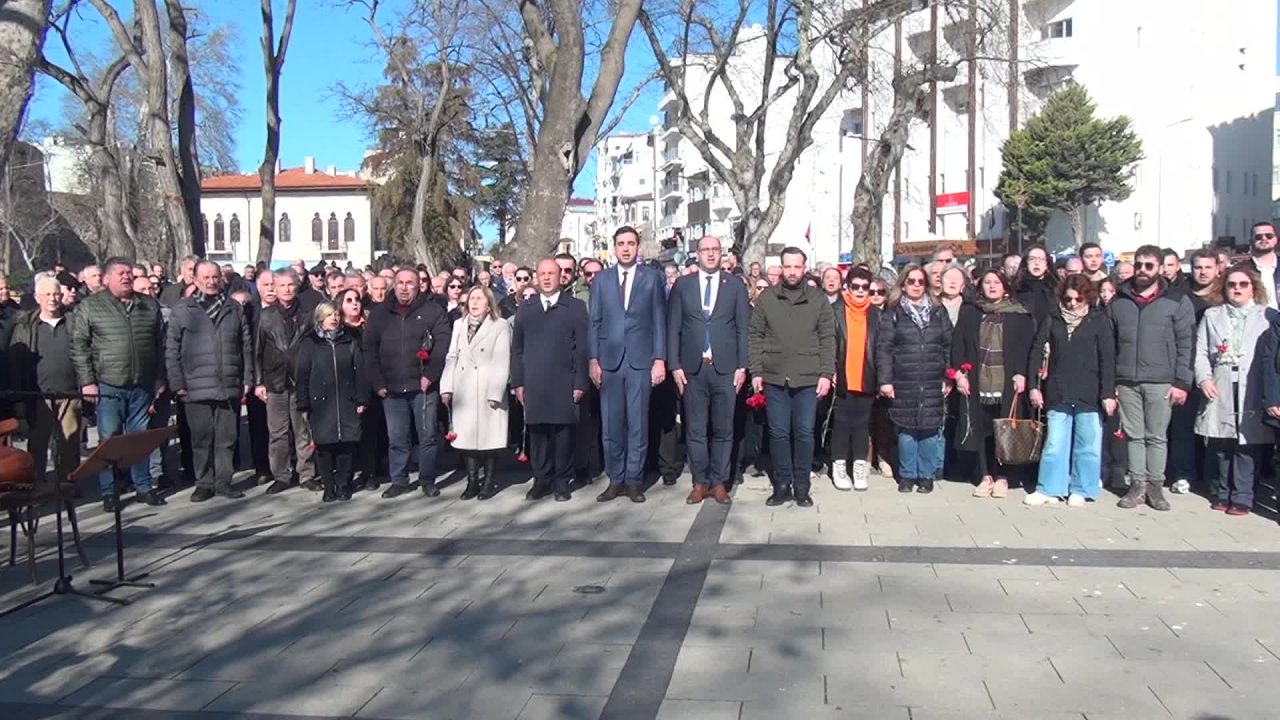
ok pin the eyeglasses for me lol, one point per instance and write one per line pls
(915, 281)
(860, 287)
(1239, 284)
(1264, 236)
(879, 293)
(1146, 265)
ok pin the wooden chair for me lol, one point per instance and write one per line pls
(21, 496)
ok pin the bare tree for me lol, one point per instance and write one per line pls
(22, 29)
(188, 153)
(570, 122)
(273, 53)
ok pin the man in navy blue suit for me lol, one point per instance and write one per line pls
(627, 347)
(707, 318)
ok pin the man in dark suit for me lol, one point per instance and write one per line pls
(627, 346)
(707, 321)
(548, 373)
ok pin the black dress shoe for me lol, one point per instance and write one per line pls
(612, 492)
(201, 494)
(430, 490)
(395, 491)
(563, 497)
(152, 498)
(906, 486)
(925, 487)
(537, 492)
(227, 490)
(109, 503)
(276, 488)
(779, 496)
(488, 491)
(804, 499)
(635, 493)
(328, 496)
(669, 481)
(312, 486)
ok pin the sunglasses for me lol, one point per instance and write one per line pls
(879, 293)
(1264, 236)
(915, 281)
(1071, 299)
(589, 273)
(860, 287)
(522, 278)
(1146, 265)
(453, 286)
(1239, 284)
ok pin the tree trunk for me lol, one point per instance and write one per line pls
(188, 154)
(272, 65)
(422, 254)
(117, 241)
(22, 28)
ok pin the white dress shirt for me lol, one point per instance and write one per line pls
(703, 277)
(547, 300)
(631, 282)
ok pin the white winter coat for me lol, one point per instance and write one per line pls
(1238, 417)
(476, 372)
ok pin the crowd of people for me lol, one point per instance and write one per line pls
(1145, 376)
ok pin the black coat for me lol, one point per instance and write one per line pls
(392, 340)
(1082, 368)
(1037, 295)
(914, 362)
(275, 345)
(1019, 334)
(209, 360)
(549, 358)
(330, 386)
(842, 343)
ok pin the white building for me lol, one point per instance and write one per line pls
(578, 228)
(626, 174)
(1196, 79)
(319, 216)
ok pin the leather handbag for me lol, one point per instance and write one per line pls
(1018, 441)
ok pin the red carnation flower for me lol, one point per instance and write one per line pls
(451, 436)
(1119, 434)
(424, 355)
(951, 373)
(966, 367)
(756, 401)
(522, 458)
(1222, 347)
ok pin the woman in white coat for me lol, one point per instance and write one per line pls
(474, 386)
(1228, 371)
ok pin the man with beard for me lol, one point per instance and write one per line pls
(1154, 326)
(1262, 247)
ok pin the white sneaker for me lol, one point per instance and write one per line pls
(840, 478)
(1039, 498)
(1181, 487)
(1076, 501)
(860, 468)
(886, 470)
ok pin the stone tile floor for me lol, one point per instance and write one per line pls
(869, 605)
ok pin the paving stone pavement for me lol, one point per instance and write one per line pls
(869, 605)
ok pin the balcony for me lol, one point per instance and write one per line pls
(1052, 60)
(672, 190)
(670, 159)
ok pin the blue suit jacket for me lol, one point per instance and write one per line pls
(687, 327)
(636, 335)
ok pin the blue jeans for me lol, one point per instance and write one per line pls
(1071, 463)
(920, 454)
(125, 411)
(405, 412)
(164, 411)
(791, 413)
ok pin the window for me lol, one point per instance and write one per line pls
(219, 234)
(317, 229)
(348, 229)
(644, 213)
(204, 220)
(333, 231)
(1059, 29)
(286, 228)
(1228, 181)
(851, 124)
(235, 229)
(1275, 174)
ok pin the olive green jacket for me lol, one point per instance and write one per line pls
(791, 337)
(112, 345)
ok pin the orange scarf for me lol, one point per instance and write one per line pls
(855, 354)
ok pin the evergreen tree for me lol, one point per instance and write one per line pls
(1066, 159)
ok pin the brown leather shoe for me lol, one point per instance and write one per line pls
(698, 495)
(720, 494)
(610, 493)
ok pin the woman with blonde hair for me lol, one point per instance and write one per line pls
(474, 387)
(331, 394)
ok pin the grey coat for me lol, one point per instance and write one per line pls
(1239, 416)
(209, 359)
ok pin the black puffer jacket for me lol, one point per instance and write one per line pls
(914, 362)
(330, 386)
(275, 347)
(112, 346)
(208, 359)
(1082, 368)
(842, 345)
(393, 338)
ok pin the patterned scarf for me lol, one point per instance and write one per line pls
(473, 326)
(1237, 316)
(918, 311)
(1073, 318)
(991, 373)
(211, 304)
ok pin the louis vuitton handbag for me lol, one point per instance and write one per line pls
(1019, 441)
